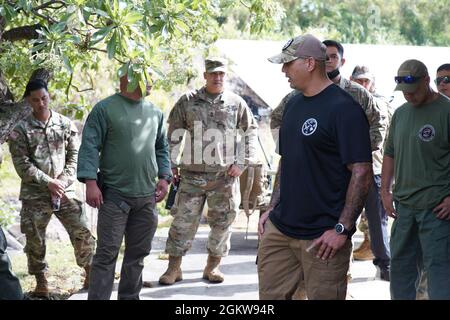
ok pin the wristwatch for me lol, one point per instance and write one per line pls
(340, 229)
(166, 177)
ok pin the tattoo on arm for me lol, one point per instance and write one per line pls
(275, 199)
(357, 191)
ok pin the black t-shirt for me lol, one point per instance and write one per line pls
(319, 136)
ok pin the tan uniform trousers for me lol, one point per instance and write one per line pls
(282, 260)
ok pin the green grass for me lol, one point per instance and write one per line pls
(9, 180)
(64, 276)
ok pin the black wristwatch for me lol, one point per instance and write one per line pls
(166, 177)
(340, 229)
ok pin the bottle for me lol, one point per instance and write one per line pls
(56, 203)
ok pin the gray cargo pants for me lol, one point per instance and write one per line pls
(135, 219)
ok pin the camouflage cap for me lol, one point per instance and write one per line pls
(215, 65)
(304, 46)
(413, 68)
(362, 72)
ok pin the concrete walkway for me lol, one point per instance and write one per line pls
(241, 280)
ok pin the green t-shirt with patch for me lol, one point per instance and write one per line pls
(419, 143)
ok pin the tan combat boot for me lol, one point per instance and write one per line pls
(173, 272)
(212, 272)
(41, 289)
(363, 252)
(87, 270)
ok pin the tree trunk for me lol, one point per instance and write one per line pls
(11, 113)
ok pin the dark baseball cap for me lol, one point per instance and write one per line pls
(410, 71)
(215, 64)
(303, 46)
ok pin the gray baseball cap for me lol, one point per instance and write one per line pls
(303, 46)
(362, 72)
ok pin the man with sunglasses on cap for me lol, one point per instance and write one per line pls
(326, 172)
(416, 156)
(377, 114)
(443, 79)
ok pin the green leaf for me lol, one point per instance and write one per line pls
(38, 47)
(112, 44)
(100, 34)
(116, 7)
(122, 70)
(67, 63)
(132, 17)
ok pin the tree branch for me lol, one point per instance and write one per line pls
(22, 33)
(50, 5)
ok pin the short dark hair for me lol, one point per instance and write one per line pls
(33, 85)
(337, 45)
(445, 67)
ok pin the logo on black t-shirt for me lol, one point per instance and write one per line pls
(309, 127)
(427, 133)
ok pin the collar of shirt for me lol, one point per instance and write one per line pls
(40, 124)
(202, 94)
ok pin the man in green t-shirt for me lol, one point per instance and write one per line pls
(124, 138)
(416, 156)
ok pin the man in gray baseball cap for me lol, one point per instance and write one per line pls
(324, 142)
(301, 47)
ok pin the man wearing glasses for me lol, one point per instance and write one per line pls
(417, 154)
(443, 79)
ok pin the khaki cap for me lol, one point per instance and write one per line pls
(413, 68)
(362, 72)
(215, 65)
(304, 46)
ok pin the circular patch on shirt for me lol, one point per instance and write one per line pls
(427, 133)
(309, 127)
(287, 44)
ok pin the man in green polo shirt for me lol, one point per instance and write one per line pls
(125, 139)
(417, 156)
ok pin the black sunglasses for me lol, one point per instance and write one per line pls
(406, 79)
(445, 79)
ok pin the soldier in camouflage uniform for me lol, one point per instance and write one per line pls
(210, 167)
(378, 116)
(44, 149)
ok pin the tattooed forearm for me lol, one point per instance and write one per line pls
(358, 188)
(275, 199)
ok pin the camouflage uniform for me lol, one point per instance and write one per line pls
(201, 179)
(41, 152)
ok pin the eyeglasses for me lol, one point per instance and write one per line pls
(445, 79)
(406, 79)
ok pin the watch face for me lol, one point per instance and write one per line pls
(339, 228)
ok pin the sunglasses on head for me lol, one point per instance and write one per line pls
(406, 79)
(445, 79)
